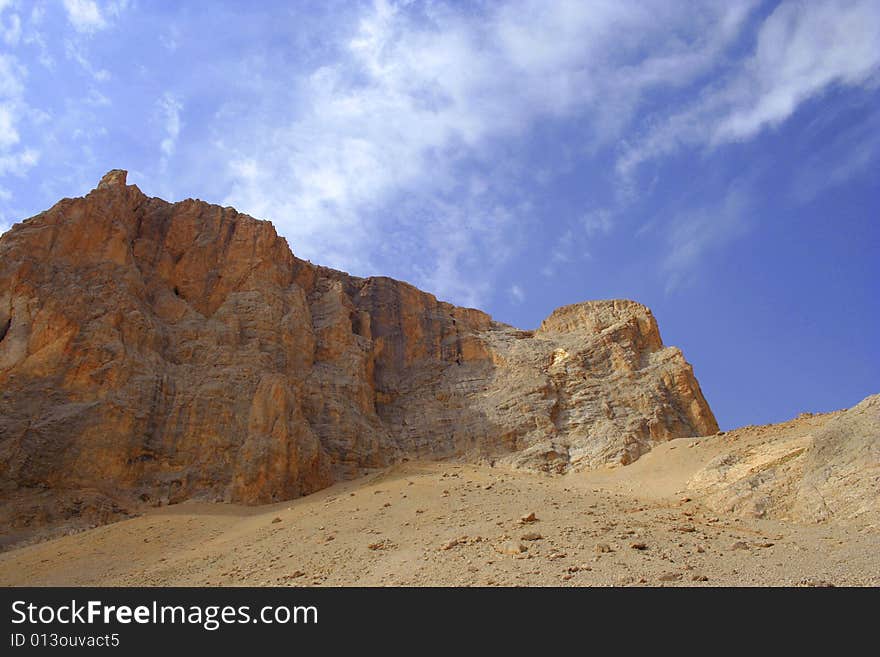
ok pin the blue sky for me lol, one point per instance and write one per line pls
(716, 161)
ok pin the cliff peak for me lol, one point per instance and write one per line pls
(115, 178)
(155, 352)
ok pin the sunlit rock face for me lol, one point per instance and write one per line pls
(153, 352)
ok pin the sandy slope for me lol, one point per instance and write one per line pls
(454, 524)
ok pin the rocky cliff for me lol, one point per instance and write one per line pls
(153, 352)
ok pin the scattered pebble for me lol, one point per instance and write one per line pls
(448, 545)
(511, 547)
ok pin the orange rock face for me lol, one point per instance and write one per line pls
(153, 352)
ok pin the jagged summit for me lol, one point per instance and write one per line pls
(155, 352)
(113, 178)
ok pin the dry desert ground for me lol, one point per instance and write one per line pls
(456, 524)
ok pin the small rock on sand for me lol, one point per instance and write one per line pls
(511, 547)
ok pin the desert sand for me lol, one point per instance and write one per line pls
(457, 524)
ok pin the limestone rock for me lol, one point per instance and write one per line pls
(512, 548)
(814, 468)
(153, 352)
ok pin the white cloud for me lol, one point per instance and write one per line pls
(850, 151)
(802, 49)
(692, 236)
(85, 15)
(75, 51)
(18, 163)
(11, 30)
(34, 123)
(33, 35)
(406, 141)
(170, 38)
(11, 77)
(15, 158)
(560, 254)
(516, 294)
(421, 97)
(8, 132)
(170, 108)
(115, 8)
(598, 222)
(463, 245)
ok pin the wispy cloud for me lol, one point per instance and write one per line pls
(18, 162)
(852, 150)
(15, 158)
(88, 17)
(802, 49)
(75, 51)
(85, 15)
(423, 94)
(560, 255)
(34, 122)
(10, 28)
(422, 140)
(170, 108)
(694, 235)
(598, 222)
(517, 295)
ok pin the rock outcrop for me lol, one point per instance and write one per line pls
(810, 469)
(153, 352)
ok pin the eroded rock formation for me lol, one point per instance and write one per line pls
(810, 469)
(153, 352)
